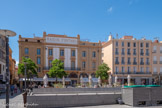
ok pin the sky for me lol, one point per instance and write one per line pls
(92, 19)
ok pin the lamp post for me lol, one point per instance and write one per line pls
(7, 34)
(25, 75)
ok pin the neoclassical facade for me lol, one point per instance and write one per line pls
(79, 57)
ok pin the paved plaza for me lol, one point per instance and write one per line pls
(16, 101)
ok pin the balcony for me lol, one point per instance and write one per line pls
(116, 53)
(126, 73)
(141, 54)
(134, 53)
(129, 63)
(147, 54)
(65, 68)
(154, 62)
(147, 63)
(117, 62)
(141, 63)
(128, 53)
(122, 63)
(123, 53)
(134, 63)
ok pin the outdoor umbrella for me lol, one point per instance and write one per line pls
(90, 80)
(45, 80)
(81, 81)
(63, 81)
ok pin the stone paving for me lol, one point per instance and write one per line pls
(16, 101)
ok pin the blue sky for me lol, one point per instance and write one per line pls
(92, 19)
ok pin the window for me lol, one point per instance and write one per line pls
(116, 69)
(128, 44)
(61, 52)
(123, 69)
(141, 62)
(134, 69)
(147, 69)
(73, 53)
(26, 40)
(160, 49)
(123, 51)
(154, 49)
(73, 64)
(122, 44)
(116, 60)
(141, 52)
(147, 52)
(83, 54)
(93, 54)
(83, 64)
(116, 51)
(134, 51)
(128, 51)
(141, 44)
(160, 69)
(122, 60)
(38, 60)
(50, 52)
(134, 44)
(38, 51)
(147, 61)
(134, 59)
(93, 65)
(160, 59)
(39, 69)
(38, 40)
(26, 50)
(116, 43)
(147, 45)
(154, 60)
(155, 69)
(129, 62)
(50, 63)
(129, 70)
(141, 69)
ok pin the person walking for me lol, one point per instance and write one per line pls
(15, 88)
(12, 90)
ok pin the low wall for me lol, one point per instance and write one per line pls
(68, 97)
(47, 101)
(75, 90)
(143, 96)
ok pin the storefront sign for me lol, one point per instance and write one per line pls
(61, 40)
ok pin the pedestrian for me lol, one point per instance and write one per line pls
(15, 88)
(12, 90)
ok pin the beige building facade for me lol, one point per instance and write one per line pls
(128, 56)
(157, 61)
(79, 57)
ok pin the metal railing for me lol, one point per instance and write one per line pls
(134, 63)
(154, 62)
(132, 73)
(141, 63)
(65, 68)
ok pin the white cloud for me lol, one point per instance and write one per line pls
(17, 62)
(110, 9)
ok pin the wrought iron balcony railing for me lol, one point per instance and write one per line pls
(154, 62)
(65, 68)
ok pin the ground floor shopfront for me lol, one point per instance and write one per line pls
(137, 79)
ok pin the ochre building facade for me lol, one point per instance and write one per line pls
(79, 57)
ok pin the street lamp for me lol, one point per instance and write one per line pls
(7, 34)
(25, 75)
